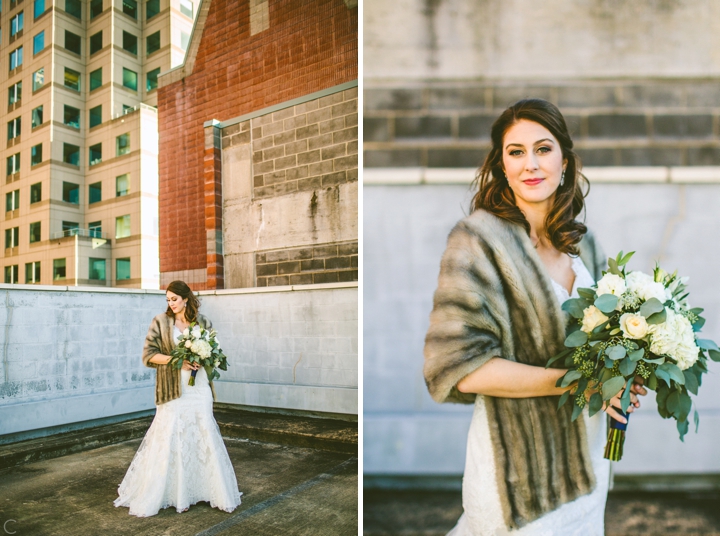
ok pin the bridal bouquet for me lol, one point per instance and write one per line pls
(628, 325)
(199, 345)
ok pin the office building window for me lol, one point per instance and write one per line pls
(186, 8)
(58, 269)
(96, 116)
(96, 79)
(129, 42)
(71, 193)
(12, 237)
(16, 23)
(96, 8)
(122, 144)
(38, 79)
(70, 228)
(14, 128)
(95, 193)
(38, 8)
(152, 43)
(72, 42)
(152, 79)
(95, 229)
(71, 116)
(95, 154)
(16, 58)
(127, 109)
(71, 154)
(122, 185)
(36, 154)
(130, 79)
(13, 164)
(35, 232)
(15, 93)
(122, 269)
(184, 40)
(12, 200)
(152, 8)
(96, 269)
(122, 226)
(74, 8)
(37, 116)
(36, 192)
(96, 42)
(11, 274)
(32, 272)
(72, 79)
(39, 42)
(130, 8)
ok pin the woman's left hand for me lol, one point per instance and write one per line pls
(190, 366)
(637, 387)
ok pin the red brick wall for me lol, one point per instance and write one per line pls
(309, 46)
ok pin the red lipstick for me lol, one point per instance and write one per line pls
(533, 182)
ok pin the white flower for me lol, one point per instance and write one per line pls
(675, 337)
(633, 326)
(592, 318)
(188, 344)
(201, 348)
(216, 363)
(645, 287)
(611, 284)
(196, 332)
(186, 332)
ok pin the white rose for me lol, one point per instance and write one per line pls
(196, 332)
(645, 287)
(633, 326)
(592, 318)
(186, 332)
(611, 284)
(188, 344)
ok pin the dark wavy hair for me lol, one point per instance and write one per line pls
(193, 304)
(494, 193)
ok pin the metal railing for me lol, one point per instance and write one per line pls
(90, 233)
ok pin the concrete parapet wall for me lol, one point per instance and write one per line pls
(73, 354)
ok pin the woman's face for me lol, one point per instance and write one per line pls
(176, 303)
(533, 162)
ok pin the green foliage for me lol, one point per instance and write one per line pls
(575, 339)
(607, 303)
(650, 307)
(611, 387)
(616, 352)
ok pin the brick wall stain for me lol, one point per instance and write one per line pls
(307, 47)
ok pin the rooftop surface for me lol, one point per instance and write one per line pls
(290, 485)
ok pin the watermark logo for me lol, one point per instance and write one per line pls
(6, 527)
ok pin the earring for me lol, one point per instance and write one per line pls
(562, 178)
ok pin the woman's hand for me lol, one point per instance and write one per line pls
(636, 389)
(190, 366)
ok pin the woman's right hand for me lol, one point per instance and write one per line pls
(614, 402)
(190, 366)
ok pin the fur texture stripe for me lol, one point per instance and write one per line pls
(160, 340)
(495, 299)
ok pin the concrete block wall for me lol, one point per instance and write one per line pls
(405, 232)
(70, 356)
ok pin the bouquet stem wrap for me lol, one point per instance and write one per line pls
(191, 381)
(616, 438)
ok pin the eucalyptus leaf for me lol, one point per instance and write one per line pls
(595, 404)
(625, 398)
(627, 366)
(615, 352)
(650, 307)
(577, 410)
(600, 327)
(707, 344)
(696, 310)
(562, 354)
(607, 303)
(663, 375)
(615, 331)
(683, 427)
(609, 363)
(674, 372)
(652, 382)
(611, 387)
(657, 318)
(685, 406)
(699, 323)
(570, 376)
(714, 355)
(587, 293)
(696, 418)
(691, 382)
(637, 354)
(575, 307)
(563, 399)
(673, 402)
(575, 339)
(656, 361)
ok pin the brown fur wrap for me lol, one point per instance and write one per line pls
(160, 340)
(495, 299)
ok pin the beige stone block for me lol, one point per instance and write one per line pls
(320, 141)
(332, 125)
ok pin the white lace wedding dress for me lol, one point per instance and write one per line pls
(482, 515)
(182, 458)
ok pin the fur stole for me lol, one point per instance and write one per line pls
(495, 299)
(160, 340)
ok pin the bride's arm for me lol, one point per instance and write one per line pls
(508, 379)
(160, 359)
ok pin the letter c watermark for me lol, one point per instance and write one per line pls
(5, 526)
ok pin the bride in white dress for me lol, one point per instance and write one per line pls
(182, 459)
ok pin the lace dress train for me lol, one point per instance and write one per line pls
(182, 458)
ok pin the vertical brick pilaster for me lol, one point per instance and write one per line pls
(213, 204)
